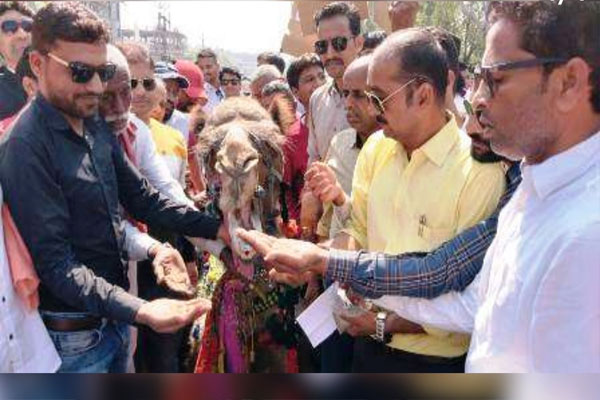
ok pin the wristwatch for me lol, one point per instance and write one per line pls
(380, 334)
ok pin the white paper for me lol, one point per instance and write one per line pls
(317, 320)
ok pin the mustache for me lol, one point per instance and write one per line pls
(336, 61)
(88, 95)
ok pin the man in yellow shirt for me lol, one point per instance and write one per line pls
(415, 186)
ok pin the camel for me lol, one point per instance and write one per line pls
(251, 326)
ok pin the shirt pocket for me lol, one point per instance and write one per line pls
(435, 236)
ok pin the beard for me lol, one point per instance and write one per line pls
(74, 108)
(486, 157)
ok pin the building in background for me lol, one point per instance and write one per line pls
(110, 11)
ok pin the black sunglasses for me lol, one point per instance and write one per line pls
(339, 44)
(487, 71)
(12, 26)
(83, 73)
(149, 84)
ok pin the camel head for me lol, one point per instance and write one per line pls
(241, 149)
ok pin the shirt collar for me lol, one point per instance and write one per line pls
(58, 121)
(563, 168)
(51, 113)
(438, 147)
(332, 89)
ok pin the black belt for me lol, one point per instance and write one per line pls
(71, 324)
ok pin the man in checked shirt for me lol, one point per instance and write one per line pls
(450, 267)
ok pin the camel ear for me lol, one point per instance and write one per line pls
(282, 112)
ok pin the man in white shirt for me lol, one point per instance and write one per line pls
(115, 108)
(209, 64)
(534, 307)
(339, 42)
(174, 82)
(25, 346)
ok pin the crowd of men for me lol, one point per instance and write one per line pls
(461, 216)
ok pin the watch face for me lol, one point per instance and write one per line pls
(381, 316)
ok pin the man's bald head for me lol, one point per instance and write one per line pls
(414, 52)
(358, 68)
(357, 104)
(116, 100)
(116, 57)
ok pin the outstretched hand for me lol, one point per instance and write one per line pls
(172, 273)
(292, 260)
(168, 316)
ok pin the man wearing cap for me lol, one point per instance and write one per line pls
(194, 93)
(174, 83)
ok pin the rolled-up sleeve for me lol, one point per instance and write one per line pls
(41, 213)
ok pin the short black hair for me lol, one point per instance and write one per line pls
(207, 53)
(18, 6)
(68, 21)
(230, 71)
(417, 53)
(558, 31)
(23, 68)
(451, 45)
(273, 59)
(298, 66)
(340, 8)
(373, 39)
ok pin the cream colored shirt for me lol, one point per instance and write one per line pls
(341, 158)
(326, 117)
(401, 205)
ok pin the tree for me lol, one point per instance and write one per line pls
(465, 19)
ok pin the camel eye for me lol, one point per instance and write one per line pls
(249, 164)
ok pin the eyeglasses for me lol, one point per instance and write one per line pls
(492, 84)
(226, 82)
(339, 44)
(83, 73)
(12, 26)
(149, 84)
(379, 104)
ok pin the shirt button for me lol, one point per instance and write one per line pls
(10, 337)
(3, 299)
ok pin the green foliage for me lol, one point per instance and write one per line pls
(466, 19)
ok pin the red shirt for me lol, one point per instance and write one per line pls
(296, 160)
(5, 123)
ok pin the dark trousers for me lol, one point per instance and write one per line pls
(372, 356)
(336, 353)
(158, 352)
